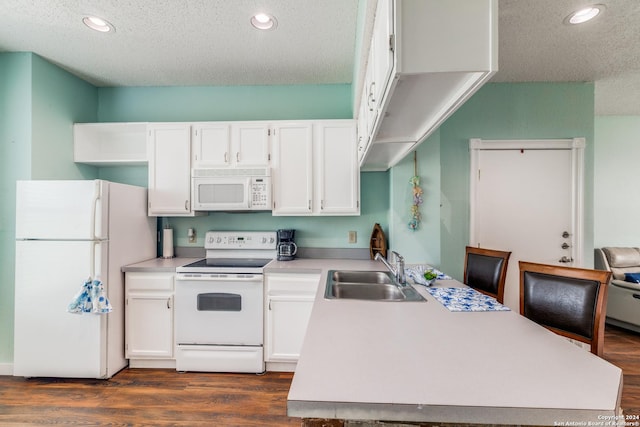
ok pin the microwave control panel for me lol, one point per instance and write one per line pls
(261, 193)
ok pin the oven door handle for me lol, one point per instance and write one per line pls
(201, 277)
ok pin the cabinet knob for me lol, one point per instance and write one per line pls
(186, 205)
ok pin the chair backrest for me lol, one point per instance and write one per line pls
(566, 300)
(485, 270)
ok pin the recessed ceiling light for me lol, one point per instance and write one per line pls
(262, 21)
(98, 24)
(585, 14)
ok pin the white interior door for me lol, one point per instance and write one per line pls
(526, 198)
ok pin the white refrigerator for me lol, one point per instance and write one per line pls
(66, 232)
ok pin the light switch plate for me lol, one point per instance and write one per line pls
(353, 237)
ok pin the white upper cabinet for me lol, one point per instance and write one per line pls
(231, 144)
(428, 57)
(211, 145)
(169, 153)
(292, 177)
(251, 144)
(337, 177)
(382, 49)
(315, 170)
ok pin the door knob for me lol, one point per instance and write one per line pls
(565, 259)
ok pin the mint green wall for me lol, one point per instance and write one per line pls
(59, 100)
(616, 181)
(15, 153)
(509, 111)
(423, 244)
(249, 103)
(201, 103)
(321, 232)
(39, 104)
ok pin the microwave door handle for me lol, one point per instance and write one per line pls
(249, 192)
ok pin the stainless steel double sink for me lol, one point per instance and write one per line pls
(368, 285)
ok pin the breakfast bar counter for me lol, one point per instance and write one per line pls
(421, 362)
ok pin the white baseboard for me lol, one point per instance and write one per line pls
(6, 369)
(281, 366)
(153, 363)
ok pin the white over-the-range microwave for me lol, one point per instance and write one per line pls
(231, 189)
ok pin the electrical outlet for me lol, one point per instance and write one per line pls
(191, 233)
(353, 237)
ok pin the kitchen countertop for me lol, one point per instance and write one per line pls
(308, 265)
(418, 361)
(158, 264)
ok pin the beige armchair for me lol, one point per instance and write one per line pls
(623, 305)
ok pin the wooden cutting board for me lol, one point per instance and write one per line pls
(378, 242)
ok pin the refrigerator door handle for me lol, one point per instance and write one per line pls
(92, 261)
(94, 210)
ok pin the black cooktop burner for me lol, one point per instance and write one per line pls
(231, 263)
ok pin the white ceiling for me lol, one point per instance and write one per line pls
(210, 42)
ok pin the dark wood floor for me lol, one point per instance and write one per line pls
(148, 397)
(622, 348)
(144, 397)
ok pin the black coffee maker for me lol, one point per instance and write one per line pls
(286, 247)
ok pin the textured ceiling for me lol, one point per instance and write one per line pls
(536, 46)
(188, 42)
(210, 42)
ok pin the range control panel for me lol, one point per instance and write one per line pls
(240, 240)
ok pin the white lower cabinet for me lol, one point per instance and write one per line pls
(149, 321)
(288, 302)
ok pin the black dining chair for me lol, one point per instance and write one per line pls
(566, 300)
(485, 270)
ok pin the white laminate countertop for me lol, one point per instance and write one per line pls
(418, 361)
(158, 264)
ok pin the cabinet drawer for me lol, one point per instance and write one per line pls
(149, 281)
(292, 283)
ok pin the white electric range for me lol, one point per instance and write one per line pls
(219, 304)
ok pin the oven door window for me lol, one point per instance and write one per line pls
(219, 301)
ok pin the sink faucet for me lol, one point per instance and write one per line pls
(398, 271)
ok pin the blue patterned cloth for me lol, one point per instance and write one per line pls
(466, 299)
(416, 273)
(90, 299)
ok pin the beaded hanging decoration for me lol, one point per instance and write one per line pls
(414, 223)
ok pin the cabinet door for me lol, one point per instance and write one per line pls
(293, 170)
(363, 128)
(251, 144)
(169, 149)
(287, 319)
(369, 96)
(149, 326)
(211, 145)
(338, 177)
(382, 49)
